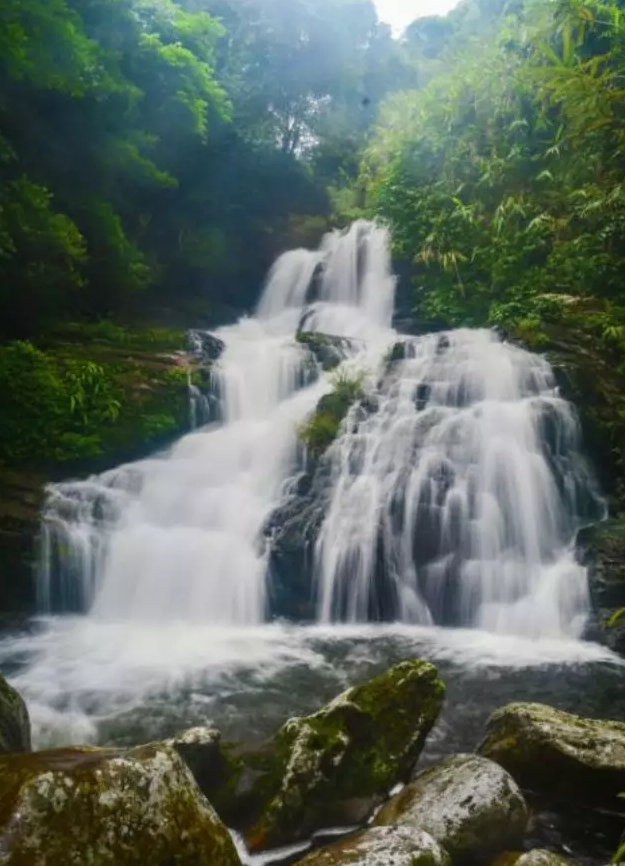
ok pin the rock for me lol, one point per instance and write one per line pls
(470, 805)
(200, 749)
(332, 768)
(382, 846)
(328, 350)
(14, 721)
(536, 857)
(556, 753)
(69, 807)
(205, 345)
(602, 549)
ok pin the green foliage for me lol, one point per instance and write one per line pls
(502, 177)
(61, 406)
(320, 431)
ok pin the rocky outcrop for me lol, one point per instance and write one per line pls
(602, 549)
(329, 351)
(14, 721)
(128, 807)
(21, 497)
(382, 846)
(559, 754)
(333, 767)
(470, 805)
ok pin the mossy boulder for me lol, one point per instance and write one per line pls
(335, 766)
(69, 807)
(536, 857)
(14, 721)
(555, 753)
(382, 846)
(470, 805)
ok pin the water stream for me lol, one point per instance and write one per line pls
(454, 493)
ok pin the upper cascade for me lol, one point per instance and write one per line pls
(454, 491)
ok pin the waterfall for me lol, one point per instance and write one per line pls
(456, 500)
(455, 488)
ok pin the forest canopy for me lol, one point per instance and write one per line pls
(155, 155)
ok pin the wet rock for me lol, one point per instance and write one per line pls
(382, 846)
(333, 767)
(206, 345)
(556, 753)
(537, 857)
(69, 807)
(602, 549)
(14, 721)
(200, 749)
(470, 805)
(328, 350)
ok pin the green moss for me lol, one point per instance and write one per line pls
(124, 808)
(14, 720)
(90, 399)
(381, 846)
(331, 767)
(554, 752)
(323, 427)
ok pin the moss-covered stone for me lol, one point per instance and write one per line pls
(332, 767)
(323, 426)
(471, 806)
(536, 857)
(70, 807)
(382, 846)
(14, 721)
(556, 753)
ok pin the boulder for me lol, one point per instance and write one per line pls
(382, 846)
(331, 768)
(470, 805)
(536, 857)
(556, 753)
(69, 807)
(14, 721)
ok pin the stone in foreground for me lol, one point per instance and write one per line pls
(334, 767)
(14, 721)
(536, 857)
(70, 807)
(470, 805)
(552, 752)
(382, 846)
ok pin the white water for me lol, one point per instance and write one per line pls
(454, 495)
(464, 489)
(454, 498)
(177, 536)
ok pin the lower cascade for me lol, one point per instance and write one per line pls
(452, 494)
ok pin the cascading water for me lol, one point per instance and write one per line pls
(456, 487)
(457, 499)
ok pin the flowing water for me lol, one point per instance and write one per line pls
(454, 493)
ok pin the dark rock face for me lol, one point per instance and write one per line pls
(206, 346)
(602, 549)
(332, 767)
(21, 497)
(559, 754)
(471, 806)
(328, 350)
(14, 721)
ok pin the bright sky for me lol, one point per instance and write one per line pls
(400, 13)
